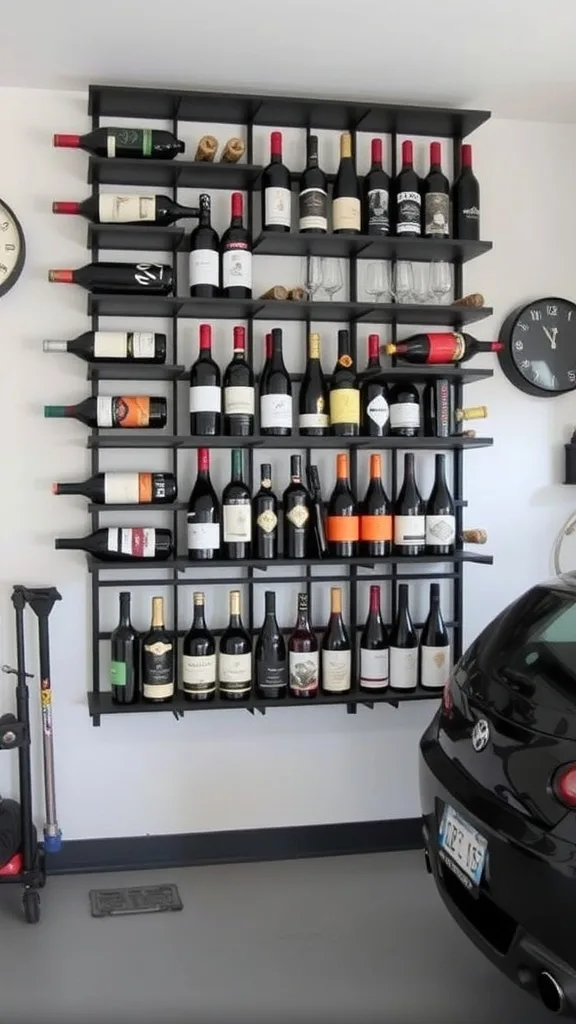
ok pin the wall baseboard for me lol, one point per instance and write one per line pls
(137, 853)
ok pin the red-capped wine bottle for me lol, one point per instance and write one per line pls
(336, 649)
(313, 197)
(374, 397)
(276, 392)
(313, 400)
(238, 386)
(270, 656)
(409, 520)
(408, 203)
(125, 208)
(303, 656)
(236, 512)
(435, 646)
(125, 411)
(403, 646)
(236, 254)
(199, 657)
(276, 192)
(204, 255)
(203, 519)
(119, 544)
(374, 648)
(376, 515)
(235, 661)
(142, 347)
(124, 657)
(125, 143)
(297, 506)
(466, 199)
(119, 278)
(346, 196)
(376, 195)
(205, 390)
(124, 488)
(343, 523)
(344, 392)
(442, 347)
(440, 519)
(436, 192)
(265, 517)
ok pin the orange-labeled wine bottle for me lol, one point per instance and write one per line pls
(114, 411)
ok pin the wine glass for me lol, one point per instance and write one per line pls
(314, 272)
(440, 279)
(421, 278)
(332, 279)
(402, 281)
(378, 280)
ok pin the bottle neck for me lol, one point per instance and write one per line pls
(237, 466)
(441, 469)
(402, 600)
(374, 601)
(270, 605)
(344, 354)
(277, 358)
(408, 468)
(203, 463)
(125, 609)
(205, 353)
(373, 350)
(157, 613)
(199, 622)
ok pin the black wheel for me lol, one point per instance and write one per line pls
(31, 905)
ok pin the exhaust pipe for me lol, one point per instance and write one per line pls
(551, 992)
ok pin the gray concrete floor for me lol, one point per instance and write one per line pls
(350, 940)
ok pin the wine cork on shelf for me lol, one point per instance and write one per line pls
(297, 294)
(278, 292)
(473, 301)
(233, 151)
(475, 536)
(474, 412)
(206, 149)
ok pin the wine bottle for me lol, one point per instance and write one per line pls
(119, 278)
(444, 347)
(404, 410)
(126, 208)
(238, 386)
(403, 646)
(409, 520)
(466, 199)
(125, 143)
(376, 195)
(336, 649)
(124, 657)
(435, 647)
(205, 391)
(313, 402)
(315, 490)
(408, 199)
(276, 194)
(374, 397)
(236, 512)
(440, 520)
(374, 644)
(436, 191)
(265, 517)
(124, 488)
(199, 657)
(158, 658)
(142, 347)
(313, 198)
(346, 196)
(236, 254)
(473, 412)
(235, 660)
(303, 655)
(437, 408)
(270, 657)
(121, 544)
(297, 507)
(276, 393)
(344, 393)
(203, 518)
(204, 255)
(376, 515)
(343, 523)
(114, 411)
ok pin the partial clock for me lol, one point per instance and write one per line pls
(539, 353)
(12, 248)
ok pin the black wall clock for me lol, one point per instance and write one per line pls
(12, 248)
(539, 354)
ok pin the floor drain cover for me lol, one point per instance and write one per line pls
(140, 899)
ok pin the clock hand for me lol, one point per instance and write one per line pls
(551, 337)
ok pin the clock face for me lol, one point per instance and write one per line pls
(539, 354)
(12, 248)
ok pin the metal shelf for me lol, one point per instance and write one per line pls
(181, 564)
(133, 371)
(131, 237)
(172, 174)
(368, 247)
(137, 439)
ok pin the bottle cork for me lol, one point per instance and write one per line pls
(206, 149)
(278, 292)
(473, 301)
(233, 151)
(297, 294)
(475, 536)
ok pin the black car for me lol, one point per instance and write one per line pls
(498, 793)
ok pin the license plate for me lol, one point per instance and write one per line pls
(462, 848)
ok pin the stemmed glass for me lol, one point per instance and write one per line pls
(440, 279)
(402, 281)
(332, 279)
(378, 280)
(421, 276)
(314, 272)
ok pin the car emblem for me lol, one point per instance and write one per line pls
(480, 735)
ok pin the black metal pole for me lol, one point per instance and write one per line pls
(23, 715)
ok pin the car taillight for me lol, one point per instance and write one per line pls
(564, 785)
(447, 698)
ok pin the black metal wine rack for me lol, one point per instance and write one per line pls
(276, 112)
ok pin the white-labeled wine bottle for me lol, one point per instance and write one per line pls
(276, 392)
(119, 278)
(203, 514)
(336, 649)
(114, 411)
(403, 646)
(238, 386)
(270, 657)
(374, 397)
(435, 647)
(199, 657)
(408, 198)
(276, 192)
(313, 197)
(125, 143)
(124, 488)
(126, 208)
(376, 195)
(235, 658)
(204, 255)
(436, 193)
(409, 518)
(404, 410)
(124, 657)
(374, 644)
(158, 667)
(122, 544)
(142, 347)
(236, 511)
(236, 254)
(205, 389)
(440, 518)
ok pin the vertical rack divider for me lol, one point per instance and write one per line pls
(175, 422)
(95, 468)
(353, 459)
(250, 346)
(458, 459)
(308, 456)
(393, 338)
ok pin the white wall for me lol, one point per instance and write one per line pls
(150, 774)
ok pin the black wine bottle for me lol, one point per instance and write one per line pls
(235, 660)
(343, 522)
(435, 647)
(238, 385)
(205, 390)
(303, 655)
(466, 199)
(443, 347)
(313, 478)
(203, 519)
(376, 195)
(122, 544)
(403, 646)
(158, 668)
(437, 408)
(409, 519)
(142, 347)
(236, 512)
(265, 517)
(408, 202)
(440, 519)
(204, 264)
(297, 506)
(276, 193)
(125, 143)
(346, 197)
(127, 208)
(236, 254)
(313, 197)
(270, 656)
(124, 411)
(376, 515)
(124, 488)
(436, 193)
(276, 393)
(336, 649)
(374, 397)
(374, 648)
(124, 657)
(119, 278)
(199, 657)
(344, 393)
(313, 402)
(404, 410)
